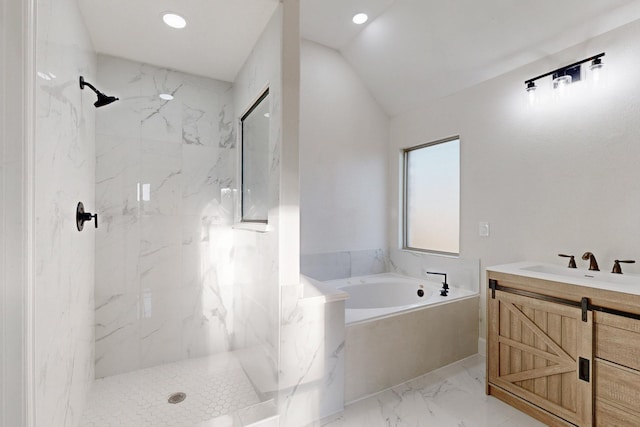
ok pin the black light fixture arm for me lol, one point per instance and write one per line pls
(600, 55)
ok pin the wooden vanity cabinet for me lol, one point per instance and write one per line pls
(553, 355)
(616, 370)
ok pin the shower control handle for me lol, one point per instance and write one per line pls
(82, 217)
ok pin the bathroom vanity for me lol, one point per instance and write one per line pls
(563, 345)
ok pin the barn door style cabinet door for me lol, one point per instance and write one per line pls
(565, 353)
(540, 351)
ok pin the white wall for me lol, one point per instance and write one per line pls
(561, 177)
(64, 175)
(343, 148)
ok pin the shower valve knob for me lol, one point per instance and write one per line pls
(82, 217)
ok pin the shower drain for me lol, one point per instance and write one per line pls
(177, 397)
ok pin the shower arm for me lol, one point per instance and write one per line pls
(83, 84)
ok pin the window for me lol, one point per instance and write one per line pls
(255, 161)
(431, 202)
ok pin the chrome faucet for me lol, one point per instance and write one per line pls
(445, 286)
(593, 264)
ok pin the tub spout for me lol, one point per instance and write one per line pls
(445, 286)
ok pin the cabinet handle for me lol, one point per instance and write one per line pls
(583, 369)
(584, 306)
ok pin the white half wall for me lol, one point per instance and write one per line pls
(561, 177)
(343, 149)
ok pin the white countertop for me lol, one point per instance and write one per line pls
(626, 283)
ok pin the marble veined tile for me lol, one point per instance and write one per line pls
(165, 173)
(366, 262)
(451, 396)
(201, 179)
(326, 266)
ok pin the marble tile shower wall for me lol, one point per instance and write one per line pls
(257, 259)
(164, 177)
(64, 175)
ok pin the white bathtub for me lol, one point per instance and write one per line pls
(382, 295)
(392, 335)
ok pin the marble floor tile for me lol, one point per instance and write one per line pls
(451, 396)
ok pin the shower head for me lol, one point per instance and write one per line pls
(102, 98)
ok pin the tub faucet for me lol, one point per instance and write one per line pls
(445, 286)
(593, 264)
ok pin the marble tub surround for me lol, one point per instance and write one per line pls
(448, 397)
(164, 177)
(385, 352)
(461, 272)
(64, 175)
(343, 264)
(312, 364)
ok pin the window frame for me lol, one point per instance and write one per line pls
(404, 205)
(264, 95)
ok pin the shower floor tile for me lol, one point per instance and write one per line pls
(214, 386)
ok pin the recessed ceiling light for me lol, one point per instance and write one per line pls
(267, 115)
(360, 18)
(173, 20)
(166, 96)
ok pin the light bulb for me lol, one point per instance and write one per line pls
(561, 85)
(561, 82)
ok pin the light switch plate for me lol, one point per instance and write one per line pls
(483, 229)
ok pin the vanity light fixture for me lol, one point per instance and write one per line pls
(174, 20)
(360, 18)
(564, 76)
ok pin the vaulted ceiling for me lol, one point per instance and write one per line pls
(410, 52)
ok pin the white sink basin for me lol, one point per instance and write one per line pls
(628, 283)
(588, 275)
